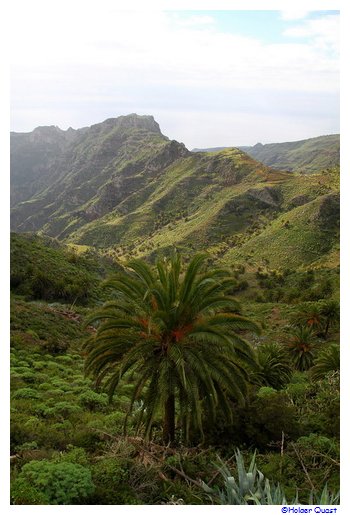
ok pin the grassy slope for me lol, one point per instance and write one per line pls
(290, 240)
(185, 204)
(264, 216)
(305, 156)
(302, 233)
(42, 268)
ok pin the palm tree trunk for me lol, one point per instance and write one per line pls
(326, 328)
(169, 420)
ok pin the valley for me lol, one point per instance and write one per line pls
(174, 319)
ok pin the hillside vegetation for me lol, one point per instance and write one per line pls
(306, 156)
(123, 187)
(174, 322)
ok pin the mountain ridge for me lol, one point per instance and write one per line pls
(298, 156)
(124, 187)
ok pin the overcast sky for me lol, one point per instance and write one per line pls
(209, 78)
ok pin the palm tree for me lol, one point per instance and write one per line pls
(328, 360)
(309, 315)
(275, 367)
(330, 311)
(301, 346)
(179, 332)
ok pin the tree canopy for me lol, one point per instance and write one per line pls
(180, 332)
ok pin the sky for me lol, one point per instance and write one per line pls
(210, 78)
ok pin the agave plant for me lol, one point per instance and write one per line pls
(253, 488)
(326, 497)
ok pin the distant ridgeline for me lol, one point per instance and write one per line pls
(306, 156)
(124, 188)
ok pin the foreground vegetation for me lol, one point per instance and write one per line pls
(70, 445)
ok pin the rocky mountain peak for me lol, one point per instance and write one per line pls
(130, 121)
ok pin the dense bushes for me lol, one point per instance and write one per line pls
(52, 483)
(62, 428)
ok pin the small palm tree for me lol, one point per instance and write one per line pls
(179, 332)
(301, 347)
(330, 311)
(328, 360)
(275, 368)
(309, 315)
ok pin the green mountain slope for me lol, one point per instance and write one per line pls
(43, 268)
(305, 156)
(35, 158)
(295, 238)
(123, 187)
(107, 162)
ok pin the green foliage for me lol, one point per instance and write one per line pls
(301, 346)
(322, 409)
(275, 369)
(26, 393)
(59, 483)
(268, 415)
(73, 455)
(55, 332)
(330, 311)
(22, 492)
(163, 326)
(41, 271)
(111, 476)
(43, 268)
(328, 360)
(93, 400)
(307, 156)
(252, 488)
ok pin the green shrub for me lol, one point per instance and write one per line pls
(74, 455)
(267, 416)
(23, 493)
(87, 439)
(44, 386)
(26, 393)
(111, 476)
(60, 483)
(93, 400)
(323, 409)
(28, 446)
(328, 360)
(29, 377)
(265, 391)
(65, 409)
(319, 443)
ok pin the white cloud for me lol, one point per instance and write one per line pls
(107, 62)
(159, 49)
(324, 32)
(194, 21)
(291, 14)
